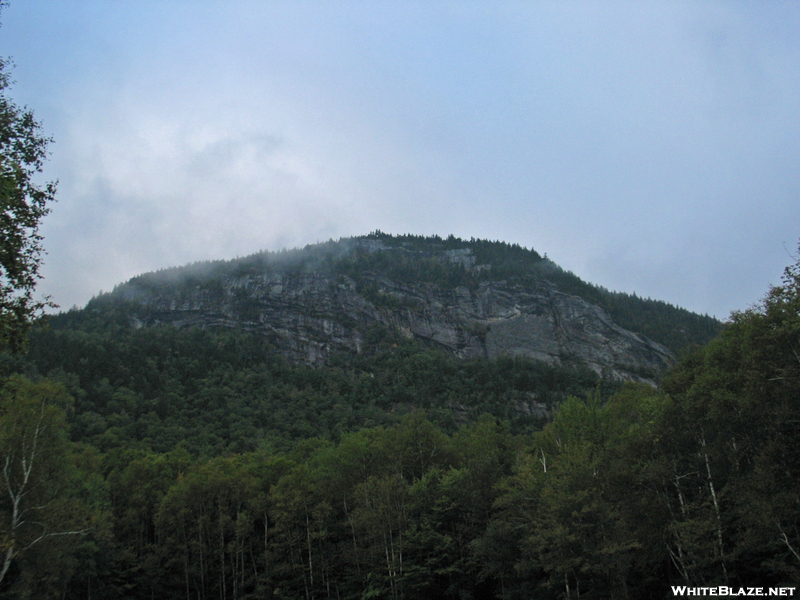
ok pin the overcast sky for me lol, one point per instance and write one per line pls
(648, 147)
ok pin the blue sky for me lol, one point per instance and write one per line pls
(647, 147)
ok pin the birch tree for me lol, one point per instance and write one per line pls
(36, 505)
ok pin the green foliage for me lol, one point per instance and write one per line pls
(676, 328)
(208, 466)
(380, 264)
(734, 443)
(49, 510)
(694, 487)
(23, 204)
(618, 496)
(223, 391)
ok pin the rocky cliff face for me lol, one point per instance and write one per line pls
(310, 313)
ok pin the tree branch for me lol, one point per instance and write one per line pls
(785, 539)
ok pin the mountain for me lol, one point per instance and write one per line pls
(473, 299)
(207, 462)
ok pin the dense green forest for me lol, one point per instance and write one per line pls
(224, 391)
(160, 463)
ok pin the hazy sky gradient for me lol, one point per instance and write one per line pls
(648, 147)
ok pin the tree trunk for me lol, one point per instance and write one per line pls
(716, 509)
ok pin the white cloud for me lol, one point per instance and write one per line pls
(646, 147)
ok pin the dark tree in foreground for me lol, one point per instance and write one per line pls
(23, 204)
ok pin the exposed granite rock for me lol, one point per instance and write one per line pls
(310, 314)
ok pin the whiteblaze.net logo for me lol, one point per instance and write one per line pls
(726, 591)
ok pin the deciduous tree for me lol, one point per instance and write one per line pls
(23, 204)
(39, 498)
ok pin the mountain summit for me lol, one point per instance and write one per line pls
(475, 299)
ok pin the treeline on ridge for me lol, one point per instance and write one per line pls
(420, 259)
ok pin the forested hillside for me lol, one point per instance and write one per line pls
(217, 391)
(216, 387)
(158, 461)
